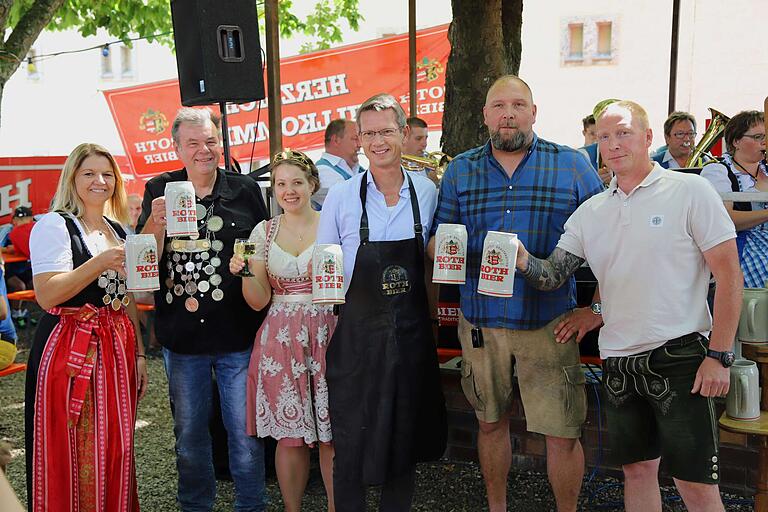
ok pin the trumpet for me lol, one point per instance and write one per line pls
(436, 162)
(709, 139)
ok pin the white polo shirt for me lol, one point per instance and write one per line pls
(645, 249)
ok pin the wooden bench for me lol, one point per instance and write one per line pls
(22, 295)
(14, 368)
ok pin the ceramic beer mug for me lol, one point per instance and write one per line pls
(180, 209)
(450, 254)
(141, 263)
(743, 400)
(327, 274)
(497, 266)
(753, 323)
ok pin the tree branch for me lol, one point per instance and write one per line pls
(30, 25)
(5, 12)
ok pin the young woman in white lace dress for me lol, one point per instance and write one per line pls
(287, 392)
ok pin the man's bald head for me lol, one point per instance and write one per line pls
(505, 80)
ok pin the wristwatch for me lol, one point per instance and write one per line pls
(597, 308)
(726, 358)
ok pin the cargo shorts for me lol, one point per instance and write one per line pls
(549, 375)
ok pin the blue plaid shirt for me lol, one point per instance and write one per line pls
(547, 186)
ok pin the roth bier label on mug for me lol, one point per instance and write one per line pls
(180, 209)
(450, 254)
(141, 263)
(497, 266)
(327, 274)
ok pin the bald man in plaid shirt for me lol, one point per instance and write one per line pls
(519, 183)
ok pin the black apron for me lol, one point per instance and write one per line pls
(386, 402)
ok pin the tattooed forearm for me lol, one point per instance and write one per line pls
(551, 273)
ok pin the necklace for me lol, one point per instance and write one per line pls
(90, 229)
(299, 235)
(753, 176)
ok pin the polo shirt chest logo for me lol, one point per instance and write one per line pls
(656, 221)
(394, 281)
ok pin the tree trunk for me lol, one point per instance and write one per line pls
(485, 44)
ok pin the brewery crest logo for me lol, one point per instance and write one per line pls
(495, 256)
(153, 121)
(394, 280)
(148, 255)
(452, 247)
(184, 201)
(329, 266)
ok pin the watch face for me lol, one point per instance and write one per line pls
(597, 308)
(727, 358)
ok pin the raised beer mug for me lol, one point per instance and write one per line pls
(180, 209)
(327, 274)
(141, 263)
(497, 265)
(450, 266)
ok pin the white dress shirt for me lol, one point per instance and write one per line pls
(340, 217)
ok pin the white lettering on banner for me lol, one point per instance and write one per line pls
(21, 195)
(247, 134)
(153, 145)
(314, 89)
(436, 92)
(156, 158)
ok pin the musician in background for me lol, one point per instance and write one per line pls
(415, 142)
(743, 169)
(588, 130)
(340, 160)
(680, 136)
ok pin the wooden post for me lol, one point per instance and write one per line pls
(673, 55)
(412, 55)
(271, 23)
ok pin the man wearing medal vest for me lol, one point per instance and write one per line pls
(203, 322)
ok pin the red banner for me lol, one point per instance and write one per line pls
(31, 181)
(315, 88)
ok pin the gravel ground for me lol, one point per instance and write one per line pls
(443, 486)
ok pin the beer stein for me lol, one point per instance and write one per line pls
(327, 274)
(180, 209)
(753, 323)
(141, 263)
(743, 400)
(497, 266)
(450, 254)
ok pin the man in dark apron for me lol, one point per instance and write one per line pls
(386, 404)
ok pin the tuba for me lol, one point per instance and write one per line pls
(713, 133)
(435, 162)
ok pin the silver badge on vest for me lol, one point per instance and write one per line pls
(394, 280)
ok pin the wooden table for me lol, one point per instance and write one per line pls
(759, 354)
(11, 256)
(758, 427)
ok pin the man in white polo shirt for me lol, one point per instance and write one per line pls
(652, 239)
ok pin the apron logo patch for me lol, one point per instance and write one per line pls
(394, 280)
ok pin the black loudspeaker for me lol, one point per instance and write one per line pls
(218, 52)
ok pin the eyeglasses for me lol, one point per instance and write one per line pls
(757, 137)
(386, 133)
(684, 135)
